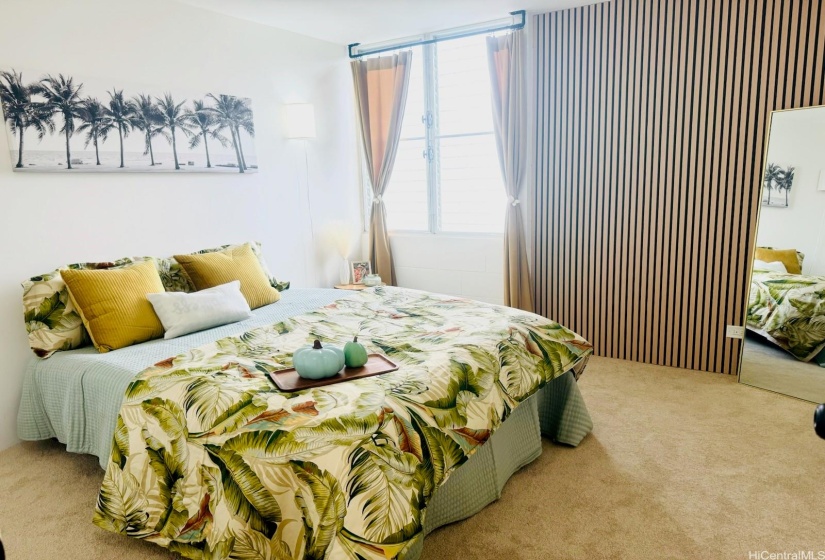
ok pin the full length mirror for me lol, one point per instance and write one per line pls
(784, 348)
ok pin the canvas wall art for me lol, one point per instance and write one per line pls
(777, 184)
(61, 123)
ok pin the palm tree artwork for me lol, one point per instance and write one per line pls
(772, 172)
(21, 111)
(120, 114)
(206, 125)
(63, 98)
(86, 125)
(174, 118)
(244, 123)
(146, 118)
(96, 124)
(234, 114)
(786, 182)
(779, 179)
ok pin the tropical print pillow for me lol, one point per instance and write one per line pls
(52, 322)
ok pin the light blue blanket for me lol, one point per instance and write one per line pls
(75, 396)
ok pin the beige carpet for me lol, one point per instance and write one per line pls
(680, 465)
(767, 366)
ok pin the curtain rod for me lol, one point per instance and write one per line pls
(445, 35)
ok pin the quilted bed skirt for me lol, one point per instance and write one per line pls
(557, 411)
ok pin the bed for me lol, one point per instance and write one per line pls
(789, 310)
(205, 457)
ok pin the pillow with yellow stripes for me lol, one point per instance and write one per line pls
(235, 263)
(113, 305)
(790, 258)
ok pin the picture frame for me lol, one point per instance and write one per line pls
(777, 182)
(360, 269)
(119, 127)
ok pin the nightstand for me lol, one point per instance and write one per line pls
(356, 287)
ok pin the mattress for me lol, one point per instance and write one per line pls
(76, 397)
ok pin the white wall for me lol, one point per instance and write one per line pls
(797, 138)
(470, 266)
(47, 220)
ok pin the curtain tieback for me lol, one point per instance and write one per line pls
(513, 201)
(377, 200)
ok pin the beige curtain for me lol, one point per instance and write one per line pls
(505, 55)
(381, 94)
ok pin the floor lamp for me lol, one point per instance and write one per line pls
(300, 125)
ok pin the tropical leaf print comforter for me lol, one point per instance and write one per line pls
(212, 461)
(789, 309)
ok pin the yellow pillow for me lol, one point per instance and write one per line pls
(788, 257)
(235, 263)
(113, 304)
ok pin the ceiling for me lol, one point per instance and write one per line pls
(370, 21)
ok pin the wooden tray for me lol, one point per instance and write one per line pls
(288, 379)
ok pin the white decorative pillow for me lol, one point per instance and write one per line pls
(775, 266)
(182, 313)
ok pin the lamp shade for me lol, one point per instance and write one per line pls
(300, 120)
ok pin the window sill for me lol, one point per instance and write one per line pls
(446, 234)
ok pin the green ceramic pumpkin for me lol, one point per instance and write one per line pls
(355, 355)
(317, 361)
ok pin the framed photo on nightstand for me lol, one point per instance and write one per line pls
(360, 269)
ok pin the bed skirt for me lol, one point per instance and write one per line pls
(557, 411)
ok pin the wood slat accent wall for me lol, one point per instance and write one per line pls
(651, 121)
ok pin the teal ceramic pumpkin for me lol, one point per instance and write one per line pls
(355, 355)
(317, 361)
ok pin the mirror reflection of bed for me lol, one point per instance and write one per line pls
(784, 347)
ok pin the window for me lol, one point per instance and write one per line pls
(447, 176)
